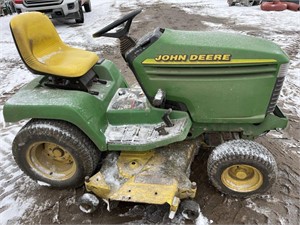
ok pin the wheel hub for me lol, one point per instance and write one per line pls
(51, 161)
(58, 152)
(242, 178)
(241, 175)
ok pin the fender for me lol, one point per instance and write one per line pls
(86, 111)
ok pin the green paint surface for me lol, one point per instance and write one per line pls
(236, 91)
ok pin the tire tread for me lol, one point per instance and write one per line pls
(64, 132)
(244, 151)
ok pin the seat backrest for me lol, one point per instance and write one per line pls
(35, 37)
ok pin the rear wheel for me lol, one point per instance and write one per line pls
(241, 168)
(55, 153)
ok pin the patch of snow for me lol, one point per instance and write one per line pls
(110, 171)
(107, 204)
(55, 219)
(129, 98)
(13, 205)
(72, 200)
(202, 220)
(41, 183)
(84, 209)
(142, 133)
(270, 198)
(267, 212)
(14, 209)
(46, 57)
(252, 205)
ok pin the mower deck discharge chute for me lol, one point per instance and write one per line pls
(212, 88)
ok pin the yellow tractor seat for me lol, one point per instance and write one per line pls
(42, 50)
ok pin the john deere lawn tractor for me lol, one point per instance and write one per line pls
(193, 85)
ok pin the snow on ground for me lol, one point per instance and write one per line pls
(281, 27)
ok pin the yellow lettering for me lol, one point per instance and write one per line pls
(193, 57)
(182, 58)
(158, 58)
(218, 57)
(209, 57)
(165, 58)
(226, 57)
(201, 57)
(173, 57)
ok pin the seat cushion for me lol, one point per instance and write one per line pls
(67, 61)
(43, 51)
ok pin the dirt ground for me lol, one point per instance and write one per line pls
(280, 205)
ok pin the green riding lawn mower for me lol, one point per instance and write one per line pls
(87, 126)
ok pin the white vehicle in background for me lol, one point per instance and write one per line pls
(69, 9)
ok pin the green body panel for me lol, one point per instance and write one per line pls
(237, 90)
(90, 112)
(248, 131)
(86, 111)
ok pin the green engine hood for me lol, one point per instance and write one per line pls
(219, 77)
(230, 47)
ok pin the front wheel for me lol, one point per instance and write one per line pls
(55, 153)
(241, 168)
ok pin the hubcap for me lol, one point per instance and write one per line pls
(242, 178)
(51, 161)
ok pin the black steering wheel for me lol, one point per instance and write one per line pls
(121, 32)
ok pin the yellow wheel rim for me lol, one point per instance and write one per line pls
(242, 178)
(51, 161)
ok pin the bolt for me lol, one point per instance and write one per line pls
(241, 175)
(194, 185)
(57, 152)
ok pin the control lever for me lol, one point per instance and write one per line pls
(159, 98)
(166, 118)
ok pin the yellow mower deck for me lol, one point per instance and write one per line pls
(154, 177)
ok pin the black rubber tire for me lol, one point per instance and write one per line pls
(190, 209)
(88, 203)
(81, 19)
(85, 154)
(242, 152)
(87, 6)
